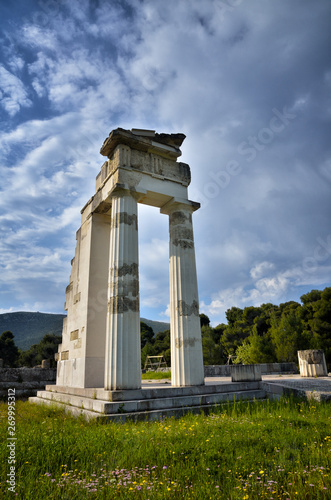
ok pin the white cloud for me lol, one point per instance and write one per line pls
(263, 291)
(14, 94)
(261, 269)
(38, 37)
(213, 70)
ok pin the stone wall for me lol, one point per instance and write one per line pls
(25, 381)
(266, 369)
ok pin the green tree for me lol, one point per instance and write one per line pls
(311, 297)
(46, 349)
(218, 332)
(233, 315)
(147, 350)
(146, 334)
(162, 345)
(204, 320)
(262, 321)
(321, 323)
(212, 351)
(240, 325)
(255, 349)
(8, 350)
(243, 354)
(287, 334)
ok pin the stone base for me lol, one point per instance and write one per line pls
(146, 404)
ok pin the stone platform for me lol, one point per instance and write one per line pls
(153, 402)
(311, 388)
(158, 399)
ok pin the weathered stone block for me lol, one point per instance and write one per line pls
(312, 363)
(245, 373)
(74, 335)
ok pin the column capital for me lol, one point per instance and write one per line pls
(179, 204)
(121, 189)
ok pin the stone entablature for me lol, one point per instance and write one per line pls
(161, 168)
(101, 334)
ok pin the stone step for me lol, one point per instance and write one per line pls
(151, 392)
(158, 407)
(143, 416)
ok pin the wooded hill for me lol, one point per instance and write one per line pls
(30, 327)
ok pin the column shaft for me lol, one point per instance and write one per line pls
(186, 348)
(122, 365)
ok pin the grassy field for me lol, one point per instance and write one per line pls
(273, 450)
(156, 375)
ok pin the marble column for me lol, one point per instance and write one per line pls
(122, 364)
(186, 348)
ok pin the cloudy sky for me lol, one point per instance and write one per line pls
(247, 81)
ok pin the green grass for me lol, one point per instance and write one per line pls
(156, 375)
(243, 451)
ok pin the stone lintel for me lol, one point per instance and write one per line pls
(162, 144)
(103, 206)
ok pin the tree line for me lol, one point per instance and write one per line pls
(13, 356)
(272, 333)
(265, 334)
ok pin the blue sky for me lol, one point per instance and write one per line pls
(248, 82)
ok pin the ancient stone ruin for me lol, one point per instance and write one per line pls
(98, 362)
(312, 363)
(101, 335)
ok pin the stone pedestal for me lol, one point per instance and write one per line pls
(122, 364)
(185, 331)
(246, 373)
(312, 363)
